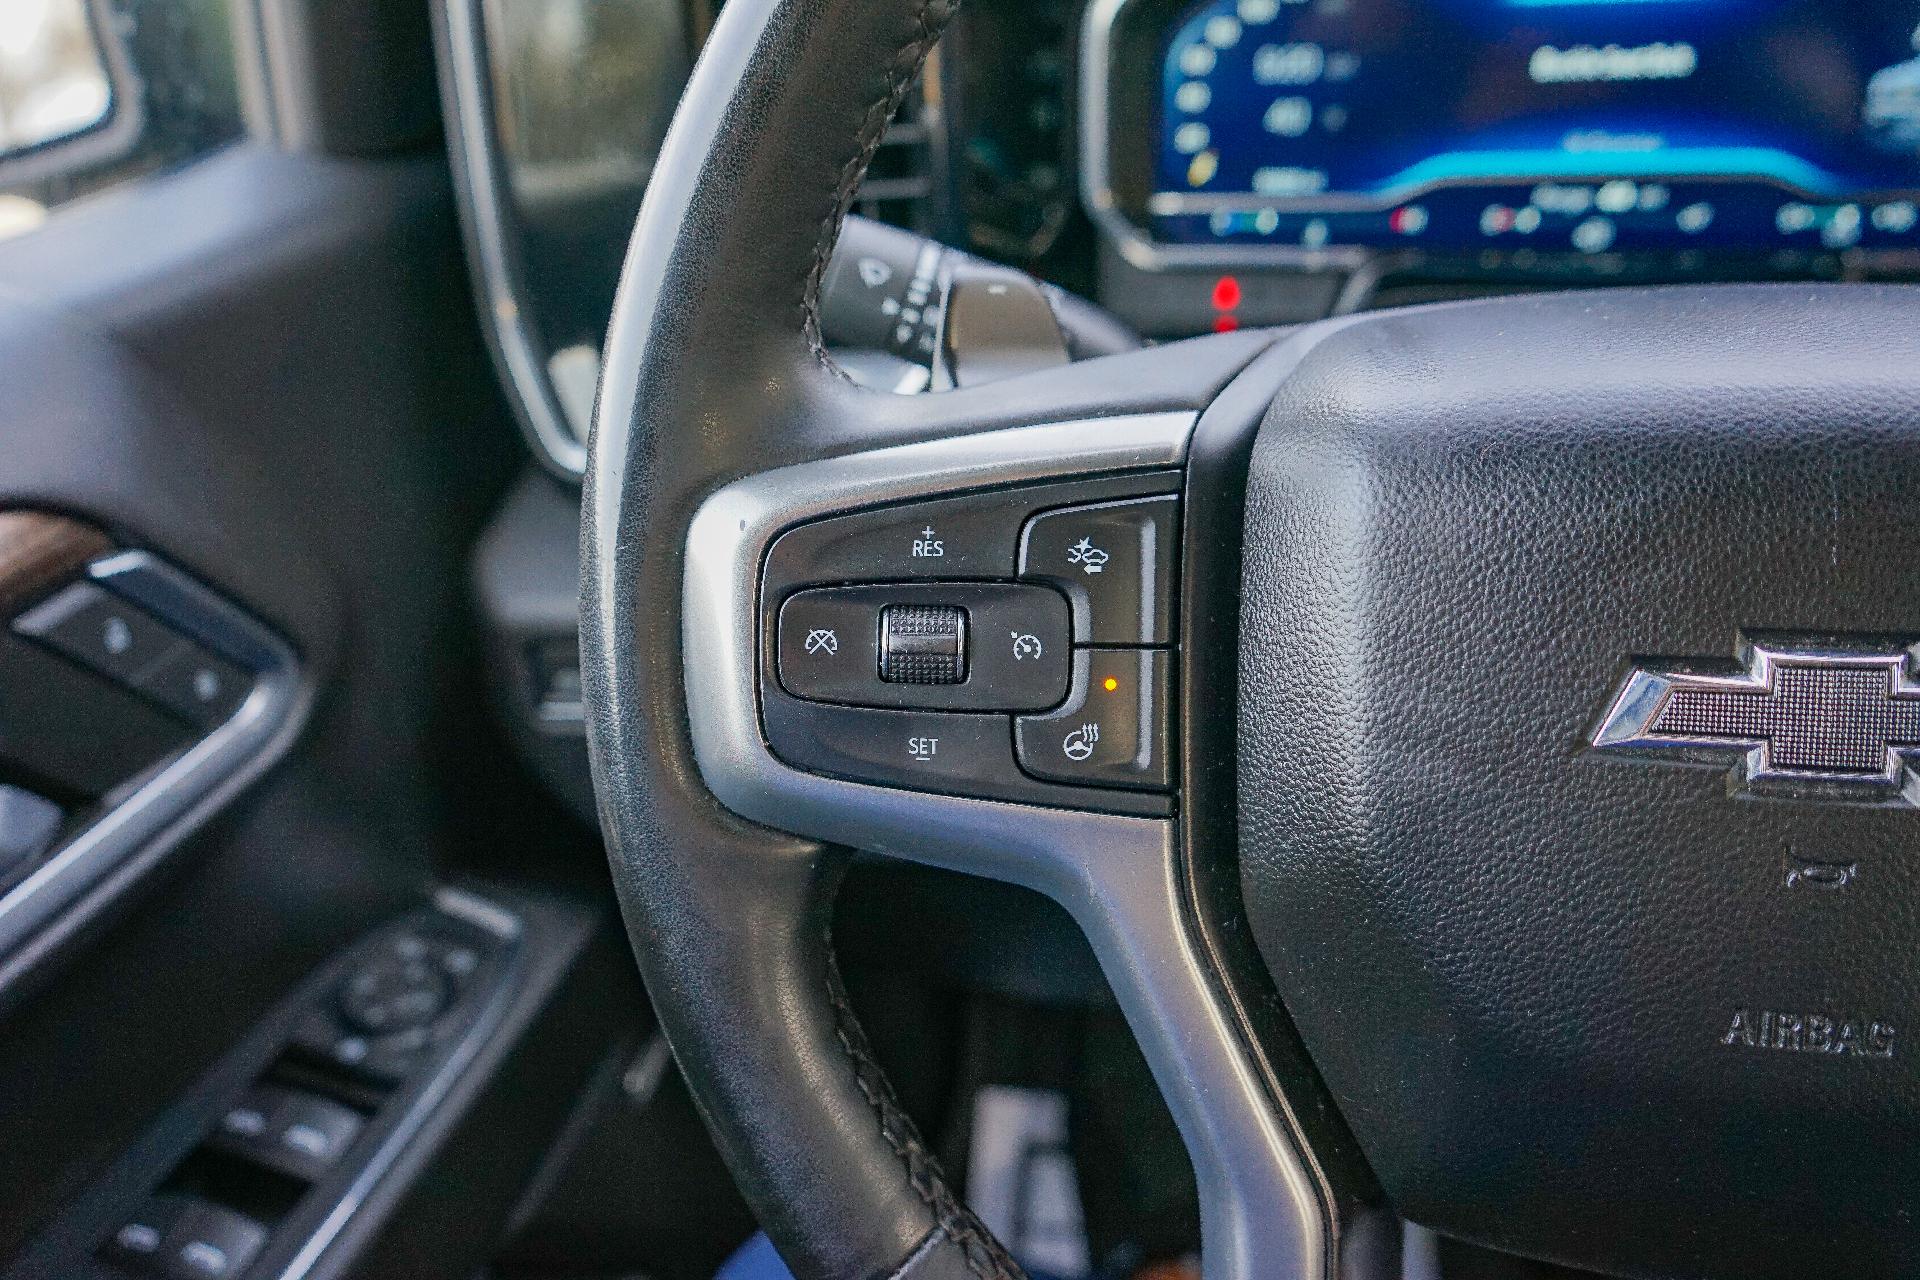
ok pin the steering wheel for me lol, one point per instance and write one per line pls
(1396, 622)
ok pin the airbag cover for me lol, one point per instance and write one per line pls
(1518, 962)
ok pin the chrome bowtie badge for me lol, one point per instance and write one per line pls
(1812, 722)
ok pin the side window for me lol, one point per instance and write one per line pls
(98, 92)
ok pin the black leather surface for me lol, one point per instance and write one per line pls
(1515, 963)
(251, 366)
(729, 922)
(713, 371)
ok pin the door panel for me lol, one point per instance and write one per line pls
(264, 370)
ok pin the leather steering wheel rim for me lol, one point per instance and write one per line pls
(730, 920)
(714, 371)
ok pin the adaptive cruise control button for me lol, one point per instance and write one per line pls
(1112, 731)
(1115, 562)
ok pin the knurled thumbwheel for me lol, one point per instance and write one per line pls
(923, 644)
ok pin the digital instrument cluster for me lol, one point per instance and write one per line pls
(1570, 127)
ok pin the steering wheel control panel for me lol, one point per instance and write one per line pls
(1013, 644)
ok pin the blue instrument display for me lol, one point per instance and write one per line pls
(1584, 126)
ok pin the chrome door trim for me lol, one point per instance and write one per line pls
(102, 856)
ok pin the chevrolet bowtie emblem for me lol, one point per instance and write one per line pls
(1813, 722)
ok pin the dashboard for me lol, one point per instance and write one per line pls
(1577, 125)
(1501, 139)
(1196, 165)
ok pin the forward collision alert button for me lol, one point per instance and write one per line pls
(1114, 561)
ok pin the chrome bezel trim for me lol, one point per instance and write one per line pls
(1625, 728)
(1119, 877)
(481, 191)
(243, 744)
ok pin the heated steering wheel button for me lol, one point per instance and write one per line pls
(1112, 730)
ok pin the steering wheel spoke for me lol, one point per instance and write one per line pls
(939, 627)
(947, 524)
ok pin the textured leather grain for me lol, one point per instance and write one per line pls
(713, 371)
(1515, 963)
(707, 353)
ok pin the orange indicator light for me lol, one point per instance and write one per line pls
(1111, 684)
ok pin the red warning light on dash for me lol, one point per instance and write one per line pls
(1226, 299)
(1408, 220)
